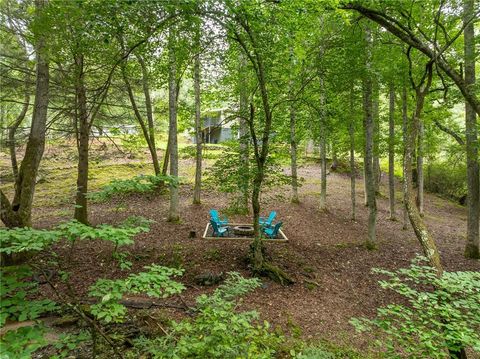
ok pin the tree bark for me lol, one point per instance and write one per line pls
(173, 215)
(369, 134)
(323, 143)
(472, 248)
(150, 121)
(13, 128)
(243, 132)
(421, 231)
(351, 132)
(420, 176)
(293, 154)
(198, 125)
(18, 213)
(391, 151)
(83, 131)
(404, 132)
(377, 174)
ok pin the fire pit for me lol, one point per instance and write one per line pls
(243, 230)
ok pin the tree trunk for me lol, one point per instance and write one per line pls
(369, 133)
(377, 174)
(420, 177)
(423, 235)
(173, 215)
(18, 213)
(472, 248)
(82, 125)
(293, 154)
(404, 131)
(391, 151)
(13, 128)
(244, 137)
(148, 129)
(351, 132)
(323, 144)
(198, 124)
(151, 124)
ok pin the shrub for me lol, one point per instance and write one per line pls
(218, 331)
(447, 180)
(138, 184)
(156, 282)
(447, 317)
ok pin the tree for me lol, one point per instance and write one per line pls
(472, 248)
(198, 124)
(369, 129)
(173, 215)
(18, 212)
(391, 151)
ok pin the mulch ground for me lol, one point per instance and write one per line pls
(325, 253)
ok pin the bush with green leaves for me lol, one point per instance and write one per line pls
(137, 184)
(218, 330)
(16, 287)
(156, 282)
(447, 179)
(229, 174)
(443, 313)
(18, 240)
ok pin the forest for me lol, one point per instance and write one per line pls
(239, 179)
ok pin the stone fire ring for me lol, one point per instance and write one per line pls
(243, 230)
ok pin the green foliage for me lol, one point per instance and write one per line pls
(68, 342)
(447, 180)
(15, 289)
(447, 316)
(14, 292)
(218, 331)
(22, 343)
(137, 184)
(228, 174)
(156, 283)
(26, 239)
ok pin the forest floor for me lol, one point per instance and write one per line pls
(325, 253)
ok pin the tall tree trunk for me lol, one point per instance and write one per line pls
(369, 134)
(420, 177)
(472, 248)
(148, 129)
(404, 132)
(391, 151)
(13, 128)
(323, 143)
(82, 123)
(198, 124)
(18, 213)
(293, 154)
(423, 235)
(351, 132)
(377, 174)
(149, 107)
(244, 136)
(173, 215)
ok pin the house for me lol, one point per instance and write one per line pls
(215, 128)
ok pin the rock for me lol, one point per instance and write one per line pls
(209, 278)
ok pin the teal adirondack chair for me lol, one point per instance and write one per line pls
(267, 222)
(215, 217)
(218, 231)
(272, 232)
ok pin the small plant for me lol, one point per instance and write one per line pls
(17, 240)
(138, 184)
(443, 313)
(156, 283)
(218, 331)
(15, 289)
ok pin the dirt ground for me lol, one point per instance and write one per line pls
(325, 253)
